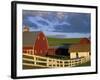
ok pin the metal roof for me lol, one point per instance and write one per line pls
(29, 38)
(80, 48)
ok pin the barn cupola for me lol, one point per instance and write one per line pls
(26, 29)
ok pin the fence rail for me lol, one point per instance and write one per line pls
(33, 60)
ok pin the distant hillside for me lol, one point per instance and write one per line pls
(62, 41)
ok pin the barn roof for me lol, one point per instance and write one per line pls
(84, 41)
(29, 38)
(79, 48)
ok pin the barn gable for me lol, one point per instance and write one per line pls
(35, 43)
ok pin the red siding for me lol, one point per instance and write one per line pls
(41, 45)
(28, 50)
(84, 41)
(51, 51)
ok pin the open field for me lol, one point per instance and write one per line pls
(60, 41)
(84, 64)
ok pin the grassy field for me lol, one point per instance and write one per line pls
(64, 41)
(84, 64)
(59, 57)
(32, 67)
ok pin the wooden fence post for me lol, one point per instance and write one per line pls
(47, 62)
(34, 60)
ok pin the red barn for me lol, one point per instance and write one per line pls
(51, 51)
(35, 43)
(84, 41)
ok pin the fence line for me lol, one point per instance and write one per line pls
(34, 60)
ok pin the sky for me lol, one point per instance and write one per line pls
(58, 24)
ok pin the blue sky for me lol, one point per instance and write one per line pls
(61, 24)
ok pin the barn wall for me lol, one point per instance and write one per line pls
(80, 54)
(83, 54)
(41, 45)
(73, 55)
(28, 51)
(51, 51)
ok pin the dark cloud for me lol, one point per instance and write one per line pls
(58, 21)
(43, 22)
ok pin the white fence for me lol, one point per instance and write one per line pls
(38, 61)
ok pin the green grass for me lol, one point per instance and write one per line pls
(64, 41)
(58, 57)
(84, 64)
(32, 67)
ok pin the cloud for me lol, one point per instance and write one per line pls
(40, 23)
(57, 21)
(67, 35)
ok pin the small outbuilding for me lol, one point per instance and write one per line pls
(79, 50)
(84, 41)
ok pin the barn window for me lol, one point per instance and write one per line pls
(26, 51)
(32, 51)
(45, 50)
(43, 38)
(35, 51)
(40, 51)
(38, 37)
